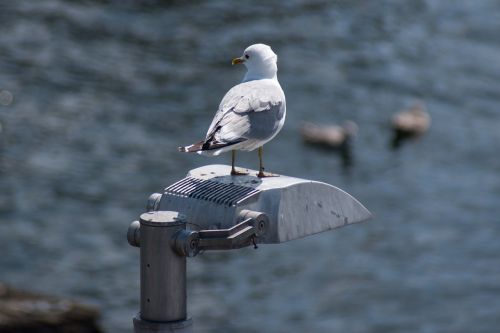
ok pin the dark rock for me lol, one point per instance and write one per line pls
(28, 312)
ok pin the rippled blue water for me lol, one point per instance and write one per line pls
(104, 92)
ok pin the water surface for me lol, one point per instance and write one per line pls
(105, 91)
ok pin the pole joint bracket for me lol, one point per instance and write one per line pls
(253, 226)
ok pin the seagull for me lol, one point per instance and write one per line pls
(410, 123)
(329, 136)
(250, 114)
(332, 137)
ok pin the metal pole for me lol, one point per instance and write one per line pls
(163, 274)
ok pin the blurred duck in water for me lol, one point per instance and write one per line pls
(409, 123)
(333, 137)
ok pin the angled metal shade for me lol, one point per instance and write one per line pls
(210, 198)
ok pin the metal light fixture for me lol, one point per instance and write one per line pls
(223, 212)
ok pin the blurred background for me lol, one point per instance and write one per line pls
(96, 96)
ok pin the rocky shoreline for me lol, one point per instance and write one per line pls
(28, 312)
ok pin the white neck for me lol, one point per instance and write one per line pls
(265, 70)
(250, 76)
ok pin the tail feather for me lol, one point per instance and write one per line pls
(207, 145)
(192, 148)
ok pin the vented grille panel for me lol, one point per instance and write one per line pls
(219, 193)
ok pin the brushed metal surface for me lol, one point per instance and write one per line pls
(144, 326)
(296, 207)
(163, 271)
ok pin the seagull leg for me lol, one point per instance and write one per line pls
(233, 170)
(261, 173)
(261, 167)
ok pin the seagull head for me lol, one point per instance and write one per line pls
(260, 61)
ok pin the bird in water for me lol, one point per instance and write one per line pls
(410, 123)
(250, 114)
(332, 137)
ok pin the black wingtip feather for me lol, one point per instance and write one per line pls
(192, 148)
(207, 145)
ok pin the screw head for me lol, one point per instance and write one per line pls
(261, 225)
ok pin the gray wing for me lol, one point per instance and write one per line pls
(250, 110)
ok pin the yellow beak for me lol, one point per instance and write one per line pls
(237, 61)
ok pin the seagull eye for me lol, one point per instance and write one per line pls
(247, 56)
